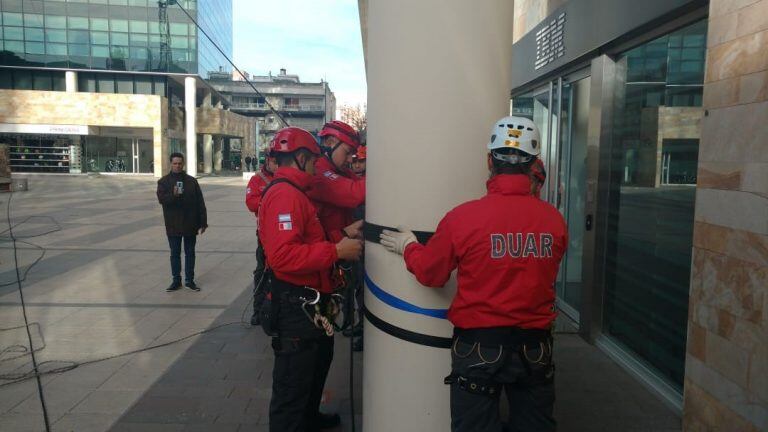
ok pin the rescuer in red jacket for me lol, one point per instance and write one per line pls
(297, 310)
(507, 247)
(336, 189)
(253, 192)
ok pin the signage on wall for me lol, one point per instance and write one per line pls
(550, 44)
(44, 129)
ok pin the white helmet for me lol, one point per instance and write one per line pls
(518, 133)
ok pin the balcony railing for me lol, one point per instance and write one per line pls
(263, 106)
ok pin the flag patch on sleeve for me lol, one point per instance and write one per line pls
(284, 222)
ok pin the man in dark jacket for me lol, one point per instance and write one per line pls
(185, 216)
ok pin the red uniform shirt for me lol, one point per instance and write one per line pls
(293, 240)
(255, 187)
(337, 194)
(507, 247)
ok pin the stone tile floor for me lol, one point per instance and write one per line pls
(99, 291)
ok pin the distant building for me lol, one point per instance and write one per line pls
(305, 105)
(104, 86)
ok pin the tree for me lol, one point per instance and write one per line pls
(354, 116)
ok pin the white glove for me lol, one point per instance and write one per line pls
(397, 241)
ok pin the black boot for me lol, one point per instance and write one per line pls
(327, 420)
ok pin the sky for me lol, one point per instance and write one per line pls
(315, 39)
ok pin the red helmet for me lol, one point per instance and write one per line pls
(290, 139)
(344, 132)
(361, 153)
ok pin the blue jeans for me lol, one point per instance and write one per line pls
(189, 257)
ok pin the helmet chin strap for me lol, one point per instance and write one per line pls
(302, 167)
(328, 153)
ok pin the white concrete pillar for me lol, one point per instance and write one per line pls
(454, 57)
(190, 102)
(218, 155)
(70, 81)
(207, 153)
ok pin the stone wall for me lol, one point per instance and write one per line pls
(726, 383)
(216, 121)
(92, 109)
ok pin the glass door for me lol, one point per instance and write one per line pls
(560, 109)
(571, 186)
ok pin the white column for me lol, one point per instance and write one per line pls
(70, 81)
(190, 89)
(454, 57)
(207, 153)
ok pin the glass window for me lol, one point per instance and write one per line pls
(154, 27)
(59, 83)
(6, 79)
(118, 25)
(86, 82)
(139, 53)
(34, 48)
(119, 52)
(652, 196)
(33, 20)
(118, 2)
(179, 29)
(78, 36)
(100, 51)
(56, 49)
(77, 49)
(119, 38)
(159, 86)
(22, 81)
(179, 42)
(138, 39)
(14, 33)
(101, 24)
(77, 23)
(57, 22)
(101, 2)
(138, 26)
(14, 46)
(100, 38)
(56, 36)
(42, 81)
(34, 34)
(125, 84)
(137, 3)
(143, 84)
(12, 19)
(106, 83)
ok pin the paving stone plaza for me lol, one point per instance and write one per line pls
(99, 291)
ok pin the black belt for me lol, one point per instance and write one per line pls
(294, 293)
(507, 336)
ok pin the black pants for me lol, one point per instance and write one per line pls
(258, 284)
(480, 371)
(189, 257)
(303, 356)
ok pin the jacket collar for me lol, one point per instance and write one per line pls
(509, 184)
(265, 172)
(295, 176)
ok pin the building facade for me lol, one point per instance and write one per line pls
(653, 122)
(115, 85)
(654, 119)
(305, 105)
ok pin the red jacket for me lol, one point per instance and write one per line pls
(293, 240)
(255, 187)
(337, 194)
(507, 247)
